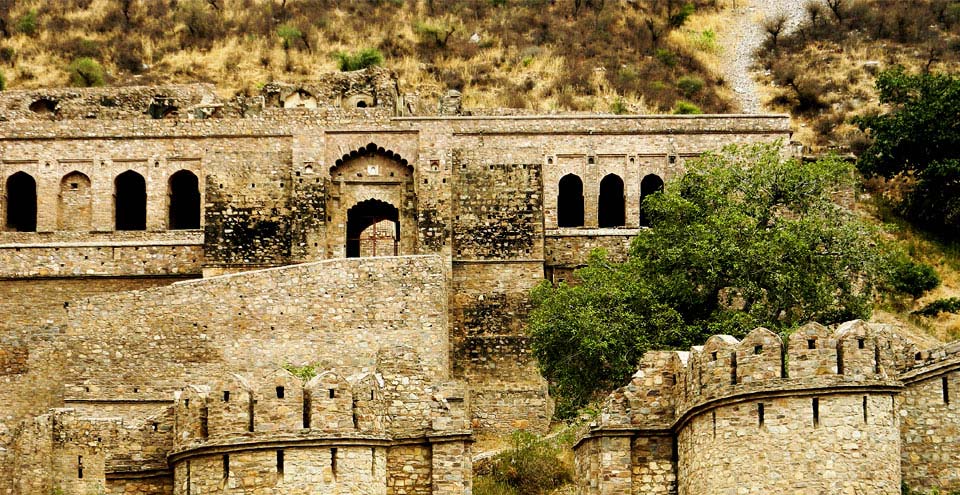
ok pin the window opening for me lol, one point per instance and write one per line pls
(650, 184)
(570, 202)
(130, 201)
(611, 203)
(21, 203)
(184, 190)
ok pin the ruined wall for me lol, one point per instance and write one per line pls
(116, 352)
(728, 448)
(482, 196)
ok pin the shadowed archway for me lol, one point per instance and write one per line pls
(21, 203)
(373, 229)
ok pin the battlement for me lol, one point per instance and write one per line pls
(670, 385)
(398, 401)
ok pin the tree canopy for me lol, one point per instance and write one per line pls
(919, 137)
(744, 239)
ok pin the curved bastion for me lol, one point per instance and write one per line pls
(826, 411)
(330, 435)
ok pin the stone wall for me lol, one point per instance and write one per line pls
(277, 185)
(819, 413)
(929, 421)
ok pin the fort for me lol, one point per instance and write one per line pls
(322, 289)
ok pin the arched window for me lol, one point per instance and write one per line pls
(611, 204)
(74, 211)
(184, 201)
(650, 184)
(570, 202)
(373, 229)
(21, 203)
(130, 201)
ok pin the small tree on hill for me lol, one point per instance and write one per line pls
(744, 239)
(920, 138)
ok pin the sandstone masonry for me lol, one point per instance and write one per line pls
(855, 409)
(328, 224)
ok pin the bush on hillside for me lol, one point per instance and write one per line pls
(368, 57)
(947, 305)
(686, 108)
(912, 277)
(86, 72)
(3, 81)
(532, 466)
(27, 23)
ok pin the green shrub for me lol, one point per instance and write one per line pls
(289, 35)
(947, 305)
(530, 467)
(368, 57)
(618, 107)
(666, 57)
(7, 55)
(912, 277)
(436, 34)
(3, 81)
(690, 85)
(686, 108)
(27, 23)
(86, 72)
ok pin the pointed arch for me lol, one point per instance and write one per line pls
(21, 189)
(611, 205)
(130, 201)
(570, 201)
(184, 191)
(373, 229)
(75, 209)
(650, 184)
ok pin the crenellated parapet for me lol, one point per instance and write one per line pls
(330, 433)
(847, 393)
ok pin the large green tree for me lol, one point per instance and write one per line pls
(744, 239)
(919, 137)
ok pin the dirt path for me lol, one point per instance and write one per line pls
(746, 34)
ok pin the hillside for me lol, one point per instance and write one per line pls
(822, 71)
(541, 55)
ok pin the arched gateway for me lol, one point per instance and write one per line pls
(372, 205)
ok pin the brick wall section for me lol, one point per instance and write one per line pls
(930, 423)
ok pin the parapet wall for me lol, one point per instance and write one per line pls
(121, 353)
(856, 398)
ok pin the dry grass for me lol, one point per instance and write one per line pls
(837, 63)
(534, 54)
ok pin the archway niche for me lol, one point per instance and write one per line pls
(130, 201)
(21, 203)
(373, 229)
(373, 185)
(612, 202)
(649, 185)
(184, 211)
(74, 209)
(570, 201)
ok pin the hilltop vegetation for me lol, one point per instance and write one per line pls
(823, 72)
(545, 55)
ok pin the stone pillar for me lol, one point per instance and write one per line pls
(615, 469)
(452, 468)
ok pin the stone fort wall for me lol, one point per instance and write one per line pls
(118, 360)
(281, 187)
(852, 409)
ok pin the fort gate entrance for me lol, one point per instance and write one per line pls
(372, 204)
